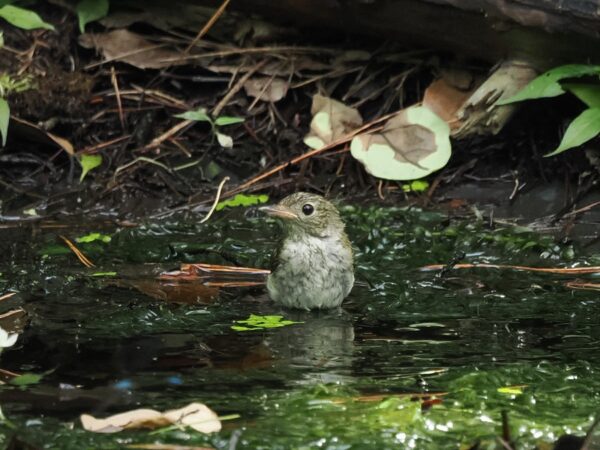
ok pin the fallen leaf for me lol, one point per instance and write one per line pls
(131, 48)
(267, 89)
(331, 120)
(446, 95)
(88, 162)
(38, 134)
(195, 415)
(411, 145)
(243, 200)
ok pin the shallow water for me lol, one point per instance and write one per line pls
(347, 379)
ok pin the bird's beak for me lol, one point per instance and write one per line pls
(282, 212)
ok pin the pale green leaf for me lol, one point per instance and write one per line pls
(547, 84)
(199, 115)
(104, 274)
(89, 11)
(26, 379)
(224, 140)
(584, 127)
(23, 18)
(411, 145)
(255, 322)
(588, 93)
(243, 200)
(225, 120)
(1, 39)
(89, 162)
(4, 118)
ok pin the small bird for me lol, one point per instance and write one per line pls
(313, 265)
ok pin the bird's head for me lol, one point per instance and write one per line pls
(304, 213)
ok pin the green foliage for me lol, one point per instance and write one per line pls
(89, 162)
(4, 118)
(588, 93)
(201, 115)
(584, 127)
(255, 322)
(93, 237)
(27, 379)
(548, 84)
(243, 200)
(416, 186)
(23, 18)
(104, 274)
(90, 10)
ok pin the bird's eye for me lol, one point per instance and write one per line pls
(308, 209)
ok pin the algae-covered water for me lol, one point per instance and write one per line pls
(414, 360)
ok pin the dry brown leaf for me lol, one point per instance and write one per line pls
(195, 415)
(266, 89)
(131, 48)
(331, 120)
(38, 134)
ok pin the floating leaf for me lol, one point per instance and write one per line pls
(588, 93)
(512, 390)
(226, 120)
(584, 127)
(255, 322)
(195, 415)
(4, 119)
(267, 89)
(547, 84)
(90, 10)
(27, 379)
(199, 115)
(243, 200)
(23, 18)
(93, 237)
(224, 140)
(104, 274)
(89, 162)
(412, 144)
(331, 120)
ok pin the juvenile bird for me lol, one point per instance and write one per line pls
(313, 264)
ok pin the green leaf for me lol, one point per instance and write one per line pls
(584, 127)
(90, 10)
(411, 145)
(23, 18)
(104, 274)
(93, 237)
(89, 162)
(199, 115)
(4, 119)
(588, 93)
(547, 84)
(416, 186)
(224, 120)
(255, 322)
(27, 379)
(243, 200)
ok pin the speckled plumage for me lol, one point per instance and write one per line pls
(314, 263)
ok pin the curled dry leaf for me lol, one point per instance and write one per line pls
(267, 89)
(412, 144)
(195, 415)
(131, 48)
(38, 134)
(331, 120)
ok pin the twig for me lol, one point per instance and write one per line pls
(236, 87)
(582, 209)
(169, 133)
(84, 259)
(558, 270)
(115, 83)
(346, 138)
(208, 26)
(216, 202)
(7, 296)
